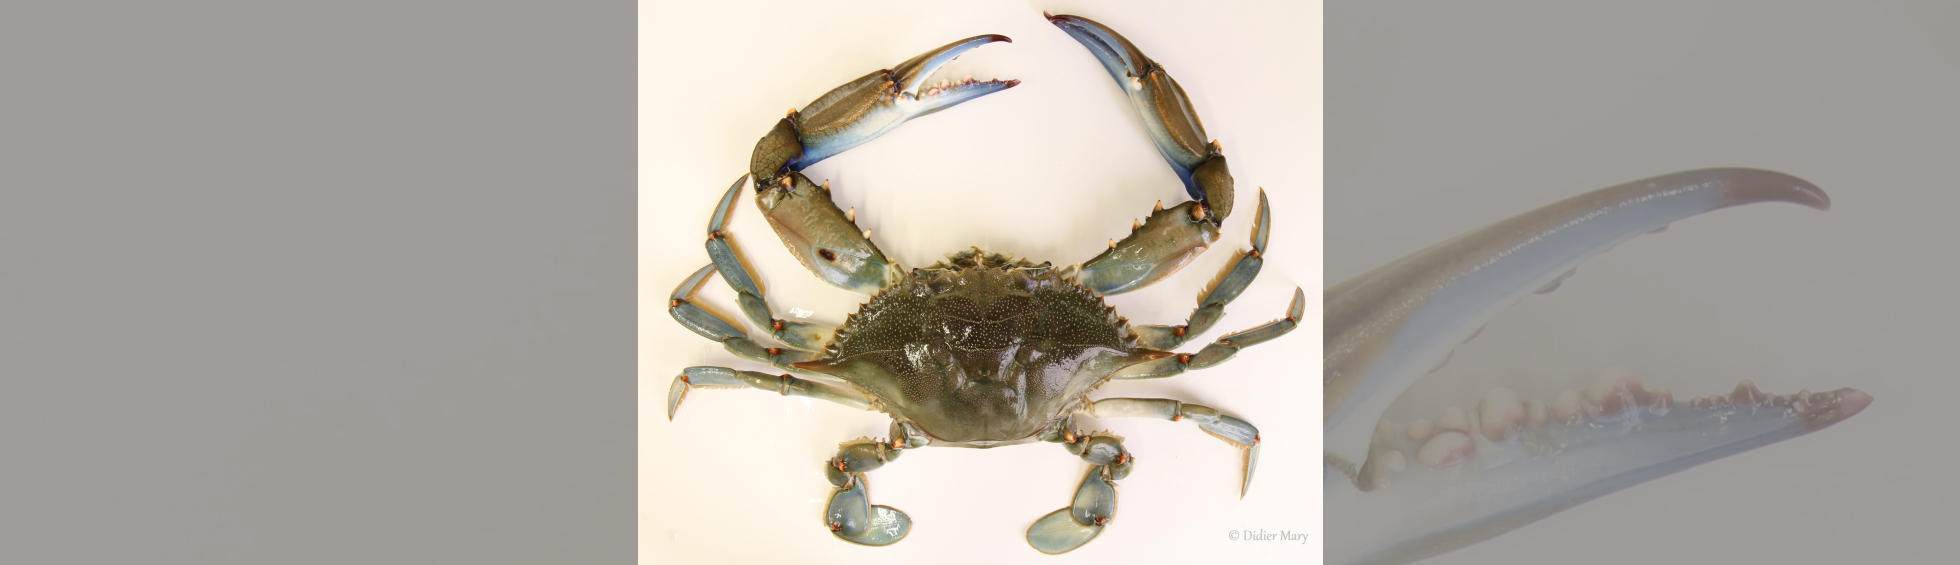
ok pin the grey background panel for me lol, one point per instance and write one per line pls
(322, 283)
(1443, 117)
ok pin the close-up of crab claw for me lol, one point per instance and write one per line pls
(1438, 484)
(1388, 327)
(863, 109)
(1405, 492)
(1166, 112)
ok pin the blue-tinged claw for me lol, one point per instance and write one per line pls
(1389, 327)
(1404, 492)
(1166, 112)
(866, 108)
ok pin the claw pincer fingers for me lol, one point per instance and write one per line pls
(1166, 112)
(825, 238)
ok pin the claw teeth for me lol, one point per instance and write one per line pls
(852, 214)
(1112, 244)
(867, 234)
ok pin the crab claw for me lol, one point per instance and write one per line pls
(1174, 127)
(1437, 485)
(866, 108)
(1387, 328)
(1406, 492)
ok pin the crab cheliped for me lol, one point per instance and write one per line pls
(981, 350)
(1401, 492)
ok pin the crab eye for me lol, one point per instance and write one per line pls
(827, 255)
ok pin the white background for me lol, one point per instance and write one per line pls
(1048, 170)
(1444, 117)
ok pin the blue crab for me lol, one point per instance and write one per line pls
(1400, 492)
(982, 350)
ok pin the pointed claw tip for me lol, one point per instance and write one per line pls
(1851, 401)
(1757, 185)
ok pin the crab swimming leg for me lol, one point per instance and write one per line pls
(824, 238)
(734, 268)
(1171, 237)
(1240, 433)
(1400, 493)
(850, 515)
(1094, 506)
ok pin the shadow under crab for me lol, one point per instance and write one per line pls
(983, 350)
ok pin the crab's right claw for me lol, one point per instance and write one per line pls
(866, 108)
(1165, 110)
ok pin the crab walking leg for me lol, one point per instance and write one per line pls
(734, 268)
(1094, 506)
(850, 515)
(1171, 237)
(1231, 282)
(1239, 433)
(723, 377)
(824, 238)
(713, 327)
(1389, 327)
(1224, 348)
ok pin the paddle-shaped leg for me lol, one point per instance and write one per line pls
(1094, 506)
(850, 514)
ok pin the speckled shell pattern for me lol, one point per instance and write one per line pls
(982, 348)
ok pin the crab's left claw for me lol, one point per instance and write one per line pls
(1174, 127)
(866, 108)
